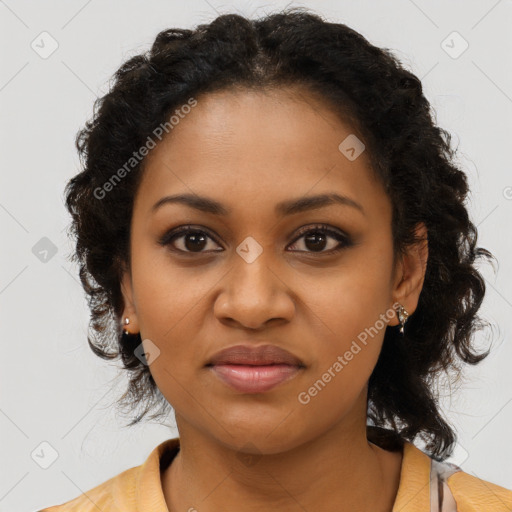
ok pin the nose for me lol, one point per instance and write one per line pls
(253, 294)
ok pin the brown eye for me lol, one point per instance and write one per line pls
(189, 240)
(317, 239)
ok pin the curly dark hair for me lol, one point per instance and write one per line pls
(412, 157)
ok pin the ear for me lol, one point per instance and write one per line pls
(410, 273)
(129, 304)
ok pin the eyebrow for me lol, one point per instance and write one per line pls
(282, 209)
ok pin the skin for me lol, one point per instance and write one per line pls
(249, 151)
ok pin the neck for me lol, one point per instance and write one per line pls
(340, 470)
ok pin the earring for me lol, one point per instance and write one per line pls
(402, 317)
(126, 322)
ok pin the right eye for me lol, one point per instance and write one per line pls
(191, 240)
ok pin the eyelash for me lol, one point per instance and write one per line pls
(344, 240)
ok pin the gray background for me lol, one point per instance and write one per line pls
(53, 388)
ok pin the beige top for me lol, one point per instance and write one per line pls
(425, 485)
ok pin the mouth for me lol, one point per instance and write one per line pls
(259, 378)
(250, 368)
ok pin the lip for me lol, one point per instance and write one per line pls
(255, 355)
(254, 369)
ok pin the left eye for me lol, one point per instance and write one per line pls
(315, 240)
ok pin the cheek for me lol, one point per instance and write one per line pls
(168, 296)
(171, 313)
(351, 298)
(349, 340)
(349, 312)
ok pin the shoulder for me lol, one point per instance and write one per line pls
(473, 494)
(137, 488)
(428, 484)
(113, 495)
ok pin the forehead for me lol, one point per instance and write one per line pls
(275, 144)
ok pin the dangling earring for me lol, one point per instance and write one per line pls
(126, 322)
(402, 317)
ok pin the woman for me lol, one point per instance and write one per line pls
(333, 274)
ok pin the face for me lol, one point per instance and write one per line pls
(317, 281)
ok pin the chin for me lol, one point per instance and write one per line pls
(259, 435)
